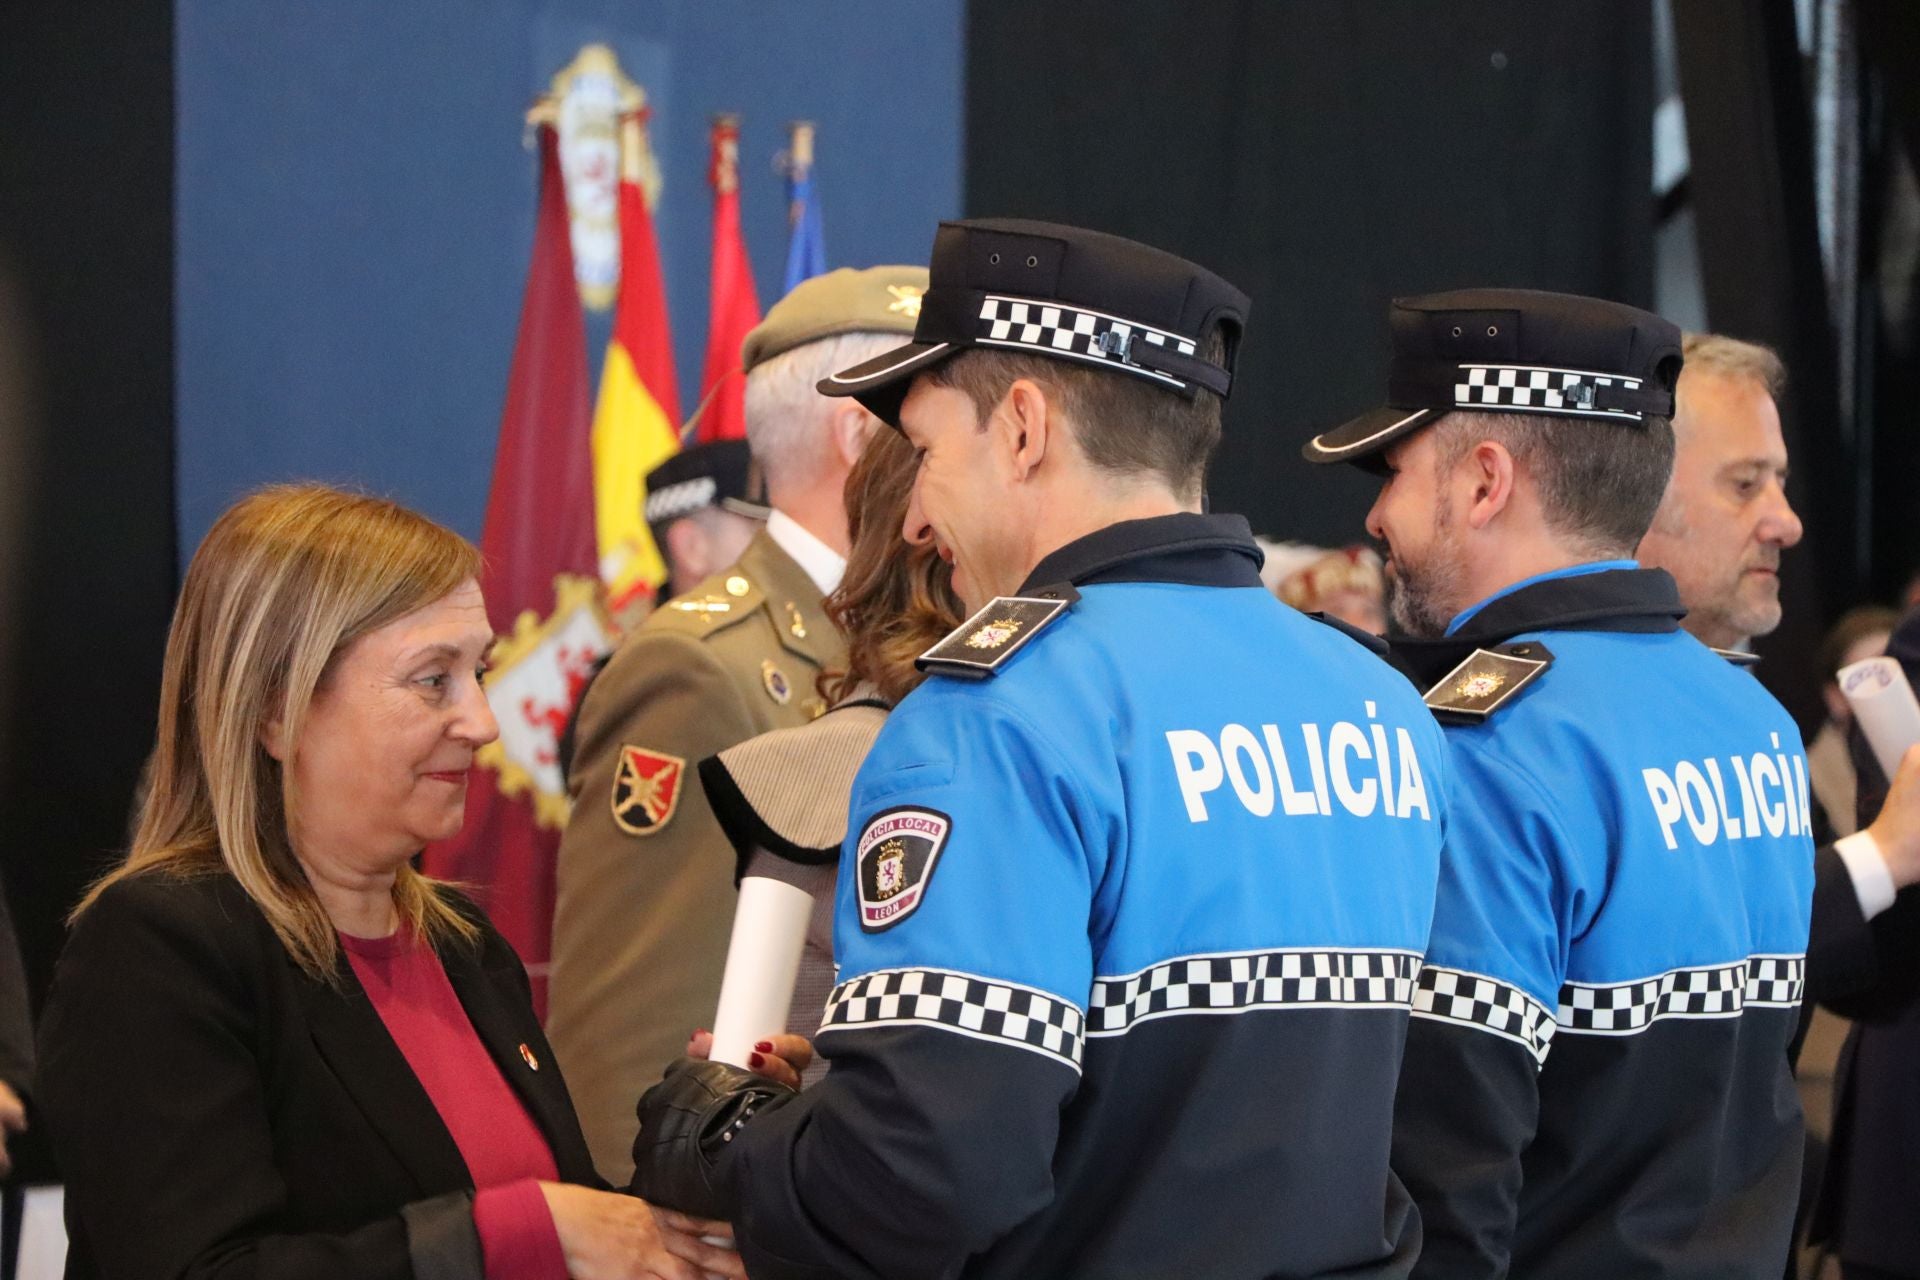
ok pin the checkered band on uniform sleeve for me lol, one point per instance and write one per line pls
(983, 1008)
(1620, 1008)
(1243, 981)
(1776, 981)
(672, 501)
(1059, 330)
(1484, 1004)
(1499, 388)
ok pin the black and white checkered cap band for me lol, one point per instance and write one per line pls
(1710, 991)
(670, 502)
(1535, 389)
(1058, 330)
(1238, 982)
(1485, 1004)
(983, 1008)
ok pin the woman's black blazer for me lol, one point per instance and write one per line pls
(217, 1113)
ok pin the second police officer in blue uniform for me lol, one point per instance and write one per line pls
(1137, 886)
(1596, 1080)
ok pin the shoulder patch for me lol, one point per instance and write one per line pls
(894, 861)
(1488, 680)
(646, 790)
(1739, 658)
(976, 648)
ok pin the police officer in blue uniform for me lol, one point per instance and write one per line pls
(1596, 1079)
(1130, 910)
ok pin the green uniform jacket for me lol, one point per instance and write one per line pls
(646, 877)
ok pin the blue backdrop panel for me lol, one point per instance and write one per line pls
(355, 206)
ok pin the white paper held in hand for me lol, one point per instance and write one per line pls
(1883, 703)
(763, 961)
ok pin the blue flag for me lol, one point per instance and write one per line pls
(807, 249)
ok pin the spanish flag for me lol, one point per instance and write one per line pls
(636, 419)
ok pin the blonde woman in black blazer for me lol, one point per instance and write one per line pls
(273, 1049)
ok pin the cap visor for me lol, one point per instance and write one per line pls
(880, 384)
(1365, 437)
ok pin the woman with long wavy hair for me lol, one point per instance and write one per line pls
(782, 797)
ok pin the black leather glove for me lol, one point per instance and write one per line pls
(686, 1124)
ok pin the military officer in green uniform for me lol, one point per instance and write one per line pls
(646, 877)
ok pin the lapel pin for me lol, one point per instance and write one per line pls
(526, 1055)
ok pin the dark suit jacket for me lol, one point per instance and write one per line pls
(1867, 1201)
(217, 1113)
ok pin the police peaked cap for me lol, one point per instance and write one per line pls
(1512, 351)
(721, 473)
(1064, 293)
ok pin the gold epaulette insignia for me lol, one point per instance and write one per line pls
(1488, 680)
(977, 647)
(704, 607)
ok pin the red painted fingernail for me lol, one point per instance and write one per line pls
(755, 1061)
(765, 1046)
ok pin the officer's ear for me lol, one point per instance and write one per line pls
(1026, 423)
(850, 426)
(1488, 472)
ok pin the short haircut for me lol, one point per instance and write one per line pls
(1734, 358)
(786, 417)
(1125, 424)
(1600, 482)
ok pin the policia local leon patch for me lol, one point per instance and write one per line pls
(895, 859)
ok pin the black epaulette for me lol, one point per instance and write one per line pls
(1739, 657)
(1488, 680)
(975, 649)
(1373, 642)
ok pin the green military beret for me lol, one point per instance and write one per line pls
(876, 300)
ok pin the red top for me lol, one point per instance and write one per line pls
(504, 1150)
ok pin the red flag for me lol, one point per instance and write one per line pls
(734, 307)
(542, 596)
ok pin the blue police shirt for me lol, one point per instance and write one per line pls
(1597, 1080)
(1127, 936)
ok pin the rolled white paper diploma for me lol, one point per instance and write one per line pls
(763, 961)
(1883, 703)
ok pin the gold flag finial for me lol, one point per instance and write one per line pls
(800, 146)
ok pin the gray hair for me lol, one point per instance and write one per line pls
(1600, 482)
(786, 417)
(1734, 358)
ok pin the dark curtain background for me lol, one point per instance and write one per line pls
(1890, 278)
(86, 439)
(1325, 158)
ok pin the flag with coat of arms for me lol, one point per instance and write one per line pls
(543, 595)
